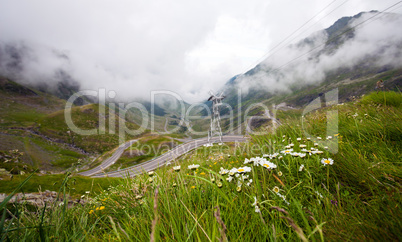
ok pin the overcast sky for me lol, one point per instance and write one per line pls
(186, 46)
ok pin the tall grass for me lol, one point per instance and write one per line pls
(356, 198)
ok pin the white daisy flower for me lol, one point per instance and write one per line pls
(256, 161)
(176, 168)
(232, 171)
(246, 161)
(193, 167)
(286, 152)
(327, 161)
(295, 154)
(302, 146)
(298, 139)
(269, 165)
(255, 201)
(274, 155)
(301, 167)
(223, 171)
(276, 189)
(255, 204)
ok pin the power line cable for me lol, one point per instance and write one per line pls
(337, 36)
(310, 27)
(277, 45)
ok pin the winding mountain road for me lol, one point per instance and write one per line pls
(156, 162)
(109, 161)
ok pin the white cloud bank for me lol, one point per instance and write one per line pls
(375, 42)
(134, 47)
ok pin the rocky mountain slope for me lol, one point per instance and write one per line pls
(352, 55)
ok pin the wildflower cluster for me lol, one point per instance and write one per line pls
(96, 209)
(239, 174)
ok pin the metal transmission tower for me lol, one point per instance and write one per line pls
(215, 128)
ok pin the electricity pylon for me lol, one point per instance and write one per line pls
(215, 128)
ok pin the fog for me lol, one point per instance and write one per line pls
(375, 42)
(189, 47)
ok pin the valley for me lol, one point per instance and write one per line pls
(310, 147)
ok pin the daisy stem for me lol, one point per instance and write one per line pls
(328, 177)
(196, 180)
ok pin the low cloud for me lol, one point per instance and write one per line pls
(375, 43)
(134, 47)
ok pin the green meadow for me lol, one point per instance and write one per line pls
(302, 181)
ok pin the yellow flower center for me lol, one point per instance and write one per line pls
(327, 161)
(266, 165)
(240, 170)
(287, 151)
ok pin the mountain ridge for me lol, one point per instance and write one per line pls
(338, 35)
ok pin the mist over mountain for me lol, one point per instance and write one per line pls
(42, 68)
(364, 44)
(355, 46)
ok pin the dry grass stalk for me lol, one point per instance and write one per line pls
(223, 228)
(156, 216)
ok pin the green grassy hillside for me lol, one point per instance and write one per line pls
(304, 189)
(33, 123)
(86, 118)
(147, 148)
(21, 110)
(76, 186)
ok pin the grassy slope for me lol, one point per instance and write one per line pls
(86, 118)
(21, 110)
(26, 112)
(145, 149)
(351, 84)
(77, 185)
(357, 198)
